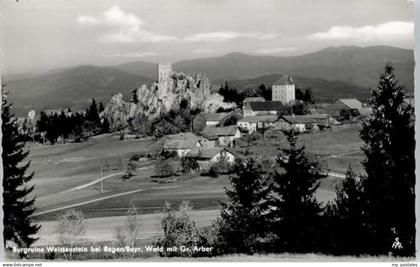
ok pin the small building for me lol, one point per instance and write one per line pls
(222, 119)
(180, 144)
(226, 136)
(302, 123)
(263, 108)
(207, 156)
(346, 108)
(256, 123)
(350, 103)
(253, 99)
(283, 90)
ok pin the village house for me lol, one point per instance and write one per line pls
(180, 144)
(346, 108)
(207, 156)
(222, 118)
(263, 108)
(256, 123)
(253, 99)
(221, 136)
(302, 123)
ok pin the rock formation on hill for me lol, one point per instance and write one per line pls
(164, 95)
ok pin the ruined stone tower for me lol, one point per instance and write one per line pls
(164, 78)
(283, 90)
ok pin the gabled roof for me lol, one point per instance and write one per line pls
(181, 141)
(220, 116)
(216, 116)
(206, 153)
(263, 118)
(211, 132)
(351, 103)
(266, 105)
(284, 80)
(253, 99)
(294, 119)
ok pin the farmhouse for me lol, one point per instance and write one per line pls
(222, 136)
(180, 144)
(346, 108)
(263, 108)
(207, 156)
(256, 123)
(302, 123)
(253, 99)
(222, 119)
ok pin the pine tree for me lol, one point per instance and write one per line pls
(92, 114)
(18, 205)
(101, 107)
(296, 212)
(390, 167)
(347, 213)
(243, 223)
(42, 123)
(106, 126)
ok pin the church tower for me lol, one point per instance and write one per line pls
(283, 90)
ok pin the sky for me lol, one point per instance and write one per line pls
(40, 35)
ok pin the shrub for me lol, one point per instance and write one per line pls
(163, 168)
(179, 230)
(189, 164)
(131, 170)
(70, 228)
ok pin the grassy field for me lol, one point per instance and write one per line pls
(335, 148)
(60, 168)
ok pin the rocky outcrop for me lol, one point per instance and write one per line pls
(117, 112)
(163, 96)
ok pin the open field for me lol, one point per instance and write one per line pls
(334, 148)
(104, 228)
(68, 176)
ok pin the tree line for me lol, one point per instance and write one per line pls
(66, 124)
(233, 95)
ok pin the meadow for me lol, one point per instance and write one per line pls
(67, 176)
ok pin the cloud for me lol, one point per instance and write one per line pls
(88, 20)
(122, 27)
(386, 31)
(134, 54)
(274, 50)
(227, 36)
(202, 51)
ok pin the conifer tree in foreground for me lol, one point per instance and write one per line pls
(390, 167)
(17, 202)
(243, 223)
(296, 212)
(345, 218)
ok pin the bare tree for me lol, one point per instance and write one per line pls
(71, 225)
(129, 231)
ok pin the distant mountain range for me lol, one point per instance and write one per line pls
(351, 64)
(73, 88)
(345, 71)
